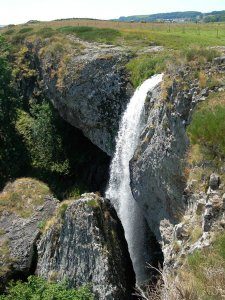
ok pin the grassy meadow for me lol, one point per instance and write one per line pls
(135, 35)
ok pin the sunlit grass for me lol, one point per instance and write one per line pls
(175, 36)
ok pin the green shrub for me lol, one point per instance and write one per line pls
(12, 152)
(18, 39)
(42, 139)
(207, 129)
(200, 54)
(46, 32)
(92, 33)
(26, 30)
(9, 32)
(37, 288)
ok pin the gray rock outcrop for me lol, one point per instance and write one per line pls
(85, 245)
(24, 207)
(214, 181)
(204, 220)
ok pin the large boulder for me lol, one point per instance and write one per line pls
(25, 205)
(85, 244)
(90, 88)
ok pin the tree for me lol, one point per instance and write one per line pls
(11, 148)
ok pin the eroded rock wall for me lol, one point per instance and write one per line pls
(90, 90)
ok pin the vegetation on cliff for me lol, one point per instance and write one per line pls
(37, 288)
(207, 127)
(10, 146)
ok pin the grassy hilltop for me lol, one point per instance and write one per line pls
(137, 35)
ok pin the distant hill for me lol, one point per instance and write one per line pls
(215, 16)
(191, 16)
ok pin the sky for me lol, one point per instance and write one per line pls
(21, 11)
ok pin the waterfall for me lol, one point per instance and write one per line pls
(119, 191)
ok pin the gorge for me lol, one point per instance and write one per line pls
(103, 181)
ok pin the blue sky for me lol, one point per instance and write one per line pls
(19, 11)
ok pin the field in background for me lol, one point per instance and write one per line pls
(171, 35)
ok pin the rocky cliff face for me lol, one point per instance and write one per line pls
(204, 218)
(157, 169)
(89, 86)
(86, 245)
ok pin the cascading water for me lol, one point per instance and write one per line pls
(119, 191)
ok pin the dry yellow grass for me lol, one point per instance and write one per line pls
(22, 195)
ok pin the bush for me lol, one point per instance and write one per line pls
(207, 129)
(9, 32)
(26, 30)
(42, 139)
(46, 32)
(200, 54)
(36, 288)
(12, 152)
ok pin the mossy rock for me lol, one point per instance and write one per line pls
(23, 196)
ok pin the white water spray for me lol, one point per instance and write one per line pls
(119, 191)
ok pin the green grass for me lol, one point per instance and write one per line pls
(207, 270)
(144, 66)
(93, 203)
(22, 196)
(200, 54)
(46, 32)
(179, 36)
(62, 209)
(95, 34)
(208, 126)
(173, 36)
(25, 30)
